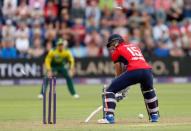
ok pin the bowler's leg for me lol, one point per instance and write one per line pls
(69, 83)
(43, 87)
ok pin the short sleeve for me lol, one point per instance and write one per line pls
(115, 56)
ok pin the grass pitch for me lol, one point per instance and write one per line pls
(20, 110)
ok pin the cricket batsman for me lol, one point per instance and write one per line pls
(137, 71)
(55, 63)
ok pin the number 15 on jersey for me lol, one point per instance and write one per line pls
(134, 51)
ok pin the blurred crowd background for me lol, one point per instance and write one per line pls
(30, 28)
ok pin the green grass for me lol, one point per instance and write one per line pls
(20, 110)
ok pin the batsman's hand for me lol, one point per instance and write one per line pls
(122, 94)
(49, 73)
(71, 72)
(118, 97)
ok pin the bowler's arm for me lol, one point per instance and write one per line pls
(71, 62)
(48, 60)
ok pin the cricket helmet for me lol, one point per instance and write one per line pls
(114, 39)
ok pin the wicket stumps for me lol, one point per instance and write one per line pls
(103, 100)
(51, 101)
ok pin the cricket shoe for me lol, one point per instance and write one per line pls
(109, 119)
(76, 96)
(40, 96)
(154, 118)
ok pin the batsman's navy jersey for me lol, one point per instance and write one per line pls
(130, 55)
